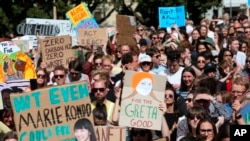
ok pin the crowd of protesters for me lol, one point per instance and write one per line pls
(207, 67)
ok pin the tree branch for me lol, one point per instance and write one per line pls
(104, 18)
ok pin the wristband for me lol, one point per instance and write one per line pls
(238, 116)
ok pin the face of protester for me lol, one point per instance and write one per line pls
(219, 98)
(146, 66)
(140, 31)
(173, 66)
(238, 92)
(201, 62)
(224, 32)
(40, 77)
(189, 101)
(82, 134)
(203, 31)
(59, 77)
(193, 120)
(227, 56)
(98, 63)
(169, 97)
(99, 90)
(201, 48)
(7, 118)
(206, 130)
(107, 65)
(248, 62)
(10, 140)
(244, 47)
(156, 59)
(195, 35)
(125, 49)
(75, 75)
(235, 45)
(188, 78)
(154, 39)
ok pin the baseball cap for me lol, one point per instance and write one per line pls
(209, 67)
(145, 58)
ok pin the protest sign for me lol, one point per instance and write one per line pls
(168, 16)
(14, 64)
(56, 51)
(50, 113)
(141, 97)
(65, 26)
(40, 29)
(78, 14)
(24, 45)
(14, 86)
(92, 36)
(110, 133)
(126, 27)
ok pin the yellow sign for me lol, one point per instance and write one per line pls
(79, 13)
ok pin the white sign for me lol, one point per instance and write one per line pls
(65, 26)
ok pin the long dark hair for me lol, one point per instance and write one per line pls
(86, 124)
(183, 86)
(209, 120)
(148, 132)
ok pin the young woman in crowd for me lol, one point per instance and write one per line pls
(207, 129)
(84, 130)
(10, 136)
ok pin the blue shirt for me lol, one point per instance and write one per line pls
(244, 111)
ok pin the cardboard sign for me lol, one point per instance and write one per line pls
(92, 36)
(14, 64)
(110, 133)
(78, 14)
(56, 51)
(126, 27)
(24, 45)
(141, 96)
(34, 29)
(168, 16)
(88, 23)
(8, 87)
(50, 113)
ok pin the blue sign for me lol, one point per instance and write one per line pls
(168, 16)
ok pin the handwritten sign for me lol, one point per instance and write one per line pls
(92, 36)
(125, 36)
(57, 51)
(110, 133)
(168, 16)
(50, 113)
(78, 14)
(141, 96)
(41, 29)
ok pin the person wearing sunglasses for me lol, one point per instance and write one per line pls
(155, 55)
(75, 72)
(59, 75)
(188, 125)
(146, 63)
(100, 91)
(42, 77)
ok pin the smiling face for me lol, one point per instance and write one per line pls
(82, 134)
(144, 87)
(188, 78)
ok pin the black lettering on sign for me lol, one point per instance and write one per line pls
(44, 118)
(41, 29)
(54, 63)
(76, 112)
(53, 42)
(54, 55)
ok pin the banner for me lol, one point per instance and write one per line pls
(110, 133)
(14, 64)
(50, 113)
(141, 96)
(92, 36)
(57, 51)
(168, 16)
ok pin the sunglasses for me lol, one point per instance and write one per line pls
(41, 75)
(118, 51)
(188, 100)
(139, 133)
(160, 38)
(169, 95)
(74, 73)
(200, 61)
(98, 64)
(140, 29)
(247, 31)
(247, 61)
(146, 63)
(98, 89)
(193, 116)
(157, 56)
(203, 101)
(58, 76)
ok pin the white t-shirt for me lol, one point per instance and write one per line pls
(174, 78)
